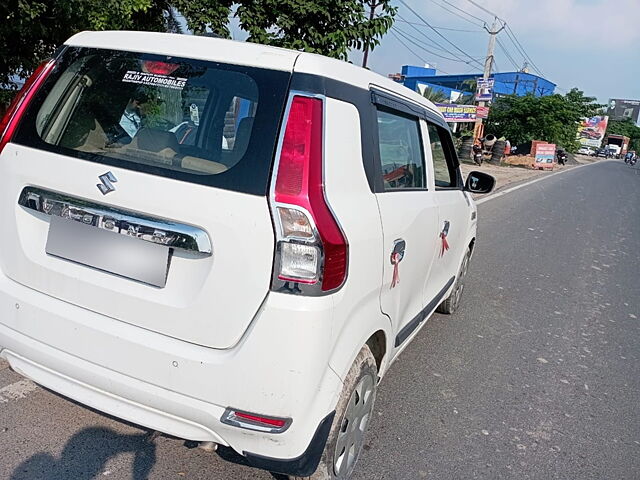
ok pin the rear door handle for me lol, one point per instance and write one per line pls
(399, 247)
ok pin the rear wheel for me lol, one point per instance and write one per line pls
(450, 305)
(350, 423)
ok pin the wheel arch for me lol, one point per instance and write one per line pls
(373, 330)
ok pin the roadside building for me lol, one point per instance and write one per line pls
(455, 86)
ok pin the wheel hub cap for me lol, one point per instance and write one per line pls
(353, 427)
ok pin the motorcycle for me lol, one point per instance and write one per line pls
(477, 155)
(562, 157)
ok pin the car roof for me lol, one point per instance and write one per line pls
(360, 77)
(245, 53)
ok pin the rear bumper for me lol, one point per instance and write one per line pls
(280, 368)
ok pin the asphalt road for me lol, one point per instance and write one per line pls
(536, 377)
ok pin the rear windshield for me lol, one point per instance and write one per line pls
(196, 121)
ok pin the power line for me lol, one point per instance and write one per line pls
(438, 33)
(440, 28)
(392, 31)
(410, 38)
(507, 54)
(518, 49)
(457, 14)
(495, 64)
(510, 34)
(519, 46)
(429, 39)
(483, 9)
(432, 41)
(481, 20)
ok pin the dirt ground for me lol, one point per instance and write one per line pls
(506, 175)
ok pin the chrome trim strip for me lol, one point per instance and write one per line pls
(145, 227)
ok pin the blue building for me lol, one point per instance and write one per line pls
(507, 83)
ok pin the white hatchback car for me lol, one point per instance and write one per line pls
(225, 242)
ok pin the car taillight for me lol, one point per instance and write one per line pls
(252, 421)
(311, 248)
(21, 100)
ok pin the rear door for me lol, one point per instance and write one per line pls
(409, 217)
(172, 153)
(454, 209)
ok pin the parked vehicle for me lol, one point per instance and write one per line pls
(605, 152)
(619, 144)
(478, 154)
(586, 151)
(226, 242)
(561, 156)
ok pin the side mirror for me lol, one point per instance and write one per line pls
(478, 182)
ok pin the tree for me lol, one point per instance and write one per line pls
(434, 95)
(469, 85)
(626, 128)
(552, 118)
(580, 105)
(328, 27)
(31, 30)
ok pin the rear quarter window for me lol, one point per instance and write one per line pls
(191, 120)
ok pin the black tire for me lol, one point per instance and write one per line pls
(465, 153)
(452, 302)
(497, 152)
(363, 370)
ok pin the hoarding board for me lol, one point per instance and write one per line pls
(457, 113)
(484, 92)
(619, 109)
(545, 155)
(591, 131)
(482, 112)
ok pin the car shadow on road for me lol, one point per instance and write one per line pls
(85, 455)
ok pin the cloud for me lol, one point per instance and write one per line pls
(599, 25)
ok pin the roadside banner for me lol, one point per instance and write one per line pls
(482, 112)
(545, 156)
(457, 113)
(620, 109)
(484, 92)
(591, 131)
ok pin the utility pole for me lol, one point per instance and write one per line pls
(488, 65)
(373, 4)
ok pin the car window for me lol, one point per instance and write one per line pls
(182, 118)
(444, 172)
(401, 154)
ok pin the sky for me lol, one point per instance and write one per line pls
(590, 44)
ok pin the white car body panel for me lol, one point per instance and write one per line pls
(189, 46)
(357, 309)
(197, 303)
(216, 336)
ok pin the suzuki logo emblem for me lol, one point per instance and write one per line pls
(107, 180)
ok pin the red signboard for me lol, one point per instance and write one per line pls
(545, 156)
(482, 112)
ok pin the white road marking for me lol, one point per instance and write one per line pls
(526, 184)
(17, 390)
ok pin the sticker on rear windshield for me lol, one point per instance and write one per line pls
(193, 114)
(143, 78)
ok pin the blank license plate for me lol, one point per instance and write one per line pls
(112, 252)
